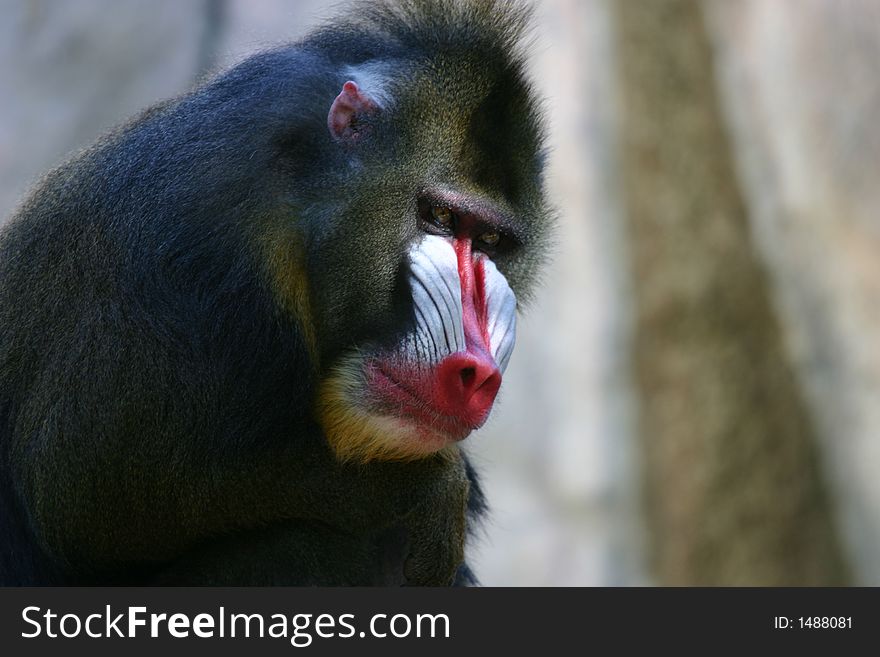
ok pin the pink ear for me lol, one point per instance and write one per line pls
(350, 102)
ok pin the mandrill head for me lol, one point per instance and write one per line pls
(421, 219)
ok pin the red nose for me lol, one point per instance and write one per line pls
(467, 383)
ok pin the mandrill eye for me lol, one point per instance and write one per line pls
(490, 238)
(442, 217)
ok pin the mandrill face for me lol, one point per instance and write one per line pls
(438, 380)
(447, 371)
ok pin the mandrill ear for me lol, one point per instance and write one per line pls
(347, 111)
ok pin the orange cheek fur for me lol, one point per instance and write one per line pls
(283, 254)
(354, 434)
(357, 435)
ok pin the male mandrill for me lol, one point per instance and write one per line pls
(243, 336)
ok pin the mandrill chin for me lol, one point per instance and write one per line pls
(243, 336)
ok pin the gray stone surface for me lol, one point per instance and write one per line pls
(802, 88)
(70, 70)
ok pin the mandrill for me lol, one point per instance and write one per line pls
(243, 335)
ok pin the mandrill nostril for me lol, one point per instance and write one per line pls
(468, 374)
(478, 378)
(465, 386)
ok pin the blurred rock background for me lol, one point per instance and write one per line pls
(695, 397)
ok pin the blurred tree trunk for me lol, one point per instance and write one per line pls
(733, 490)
